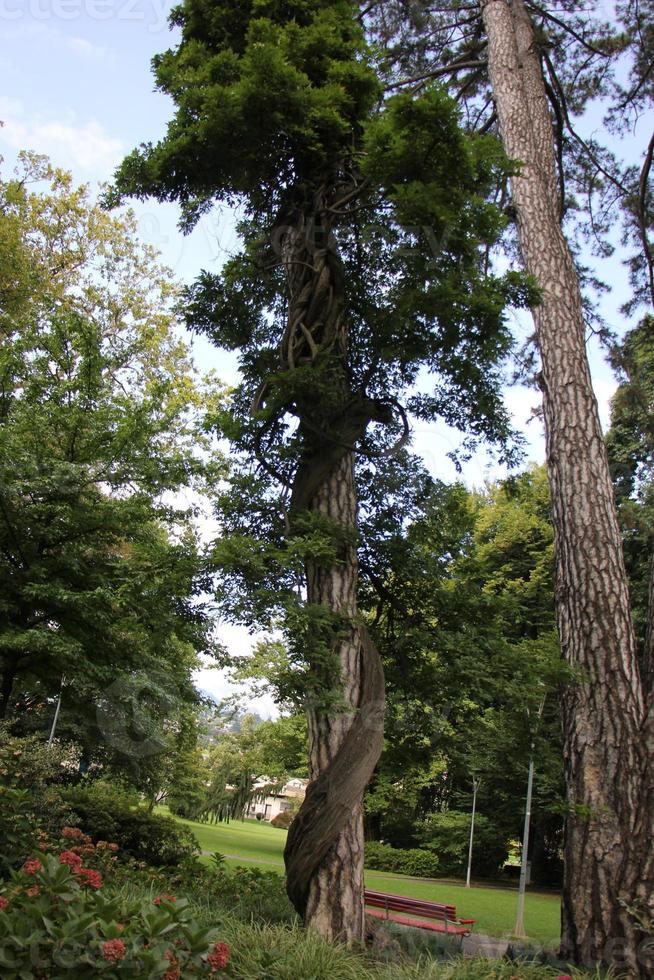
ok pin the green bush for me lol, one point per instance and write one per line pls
(447, 835)
(105, 813)
(32, 777)
(412, 861)
(57, 921)
(247, 893)
(283, 820)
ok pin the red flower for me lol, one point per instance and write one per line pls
(89, 877)
(72, 833)
(33, 891)
(219, 958)
(174, 973)
(3, 903)
(32, 866)
(164, 898)
(73, 860)
(113, 950)
(113, 847)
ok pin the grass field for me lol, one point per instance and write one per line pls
(493, 908)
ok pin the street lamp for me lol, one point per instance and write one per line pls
(475, 786)
(56, 714)
(519, 929)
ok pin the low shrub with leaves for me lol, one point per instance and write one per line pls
(58, 921)
(32, 777)
(106, 813)
(283, 820)
(247, 893)
(412, 861)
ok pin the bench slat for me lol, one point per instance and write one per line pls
(404, 920)
(390, 904)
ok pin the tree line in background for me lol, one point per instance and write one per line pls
(361, 144)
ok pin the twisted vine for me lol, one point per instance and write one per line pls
(331, 798)
(332, 419)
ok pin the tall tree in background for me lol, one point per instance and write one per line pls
(336, 303)
(100, 422)
(529, 69)
(608, 758)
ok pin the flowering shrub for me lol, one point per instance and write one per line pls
(32, 778)
(56, 921)
(106, 813)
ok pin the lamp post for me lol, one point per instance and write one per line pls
(519, 929)
(56, 714)
(475, 786)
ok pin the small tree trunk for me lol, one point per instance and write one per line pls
(9, 670)
(603, 712)
(324, 850)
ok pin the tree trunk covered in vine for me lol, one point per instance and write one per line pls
(324, 851)
(608, 851)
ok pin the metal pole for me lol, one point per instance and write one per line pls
(520, 917)
(56, 716)
(475, 787)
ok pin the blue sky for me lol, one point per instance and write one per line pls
(77, 85)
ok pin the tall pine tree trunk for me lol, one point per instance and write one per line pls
(324, 850)
(605, 761)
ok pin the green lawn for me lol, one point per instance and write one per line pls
(493, 908)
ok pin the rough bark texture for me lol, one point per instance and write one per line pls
(648, 651)
(608, 855)
(324, 851)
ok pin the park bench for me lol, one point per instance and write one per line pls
(417, 913)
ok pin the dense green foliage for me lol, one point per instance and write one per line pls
(56, 920)
(105, 813)
(408, 258)
(630, 442)
(406, 861)
(32, 780)
(100, 429)
(463, 607)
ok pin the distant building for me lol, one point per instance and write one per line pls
(269, 806)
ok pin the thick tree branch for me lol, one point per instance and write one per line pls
(643, 189)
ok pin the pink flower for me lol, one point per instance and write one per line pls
(219, 957)
(174, 972)
(113, 950)
(33, 891)
(3, 903)
(72, 833)
(164, 898)
(32, 866)
(73, 860)
(113, 847)
(89, 877)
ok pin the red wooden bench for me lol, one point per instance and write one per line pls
(417, 913)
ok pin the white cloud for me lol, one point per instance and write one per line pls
(604, 391)
(38, 33)
(69, 143)
(86, 50)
